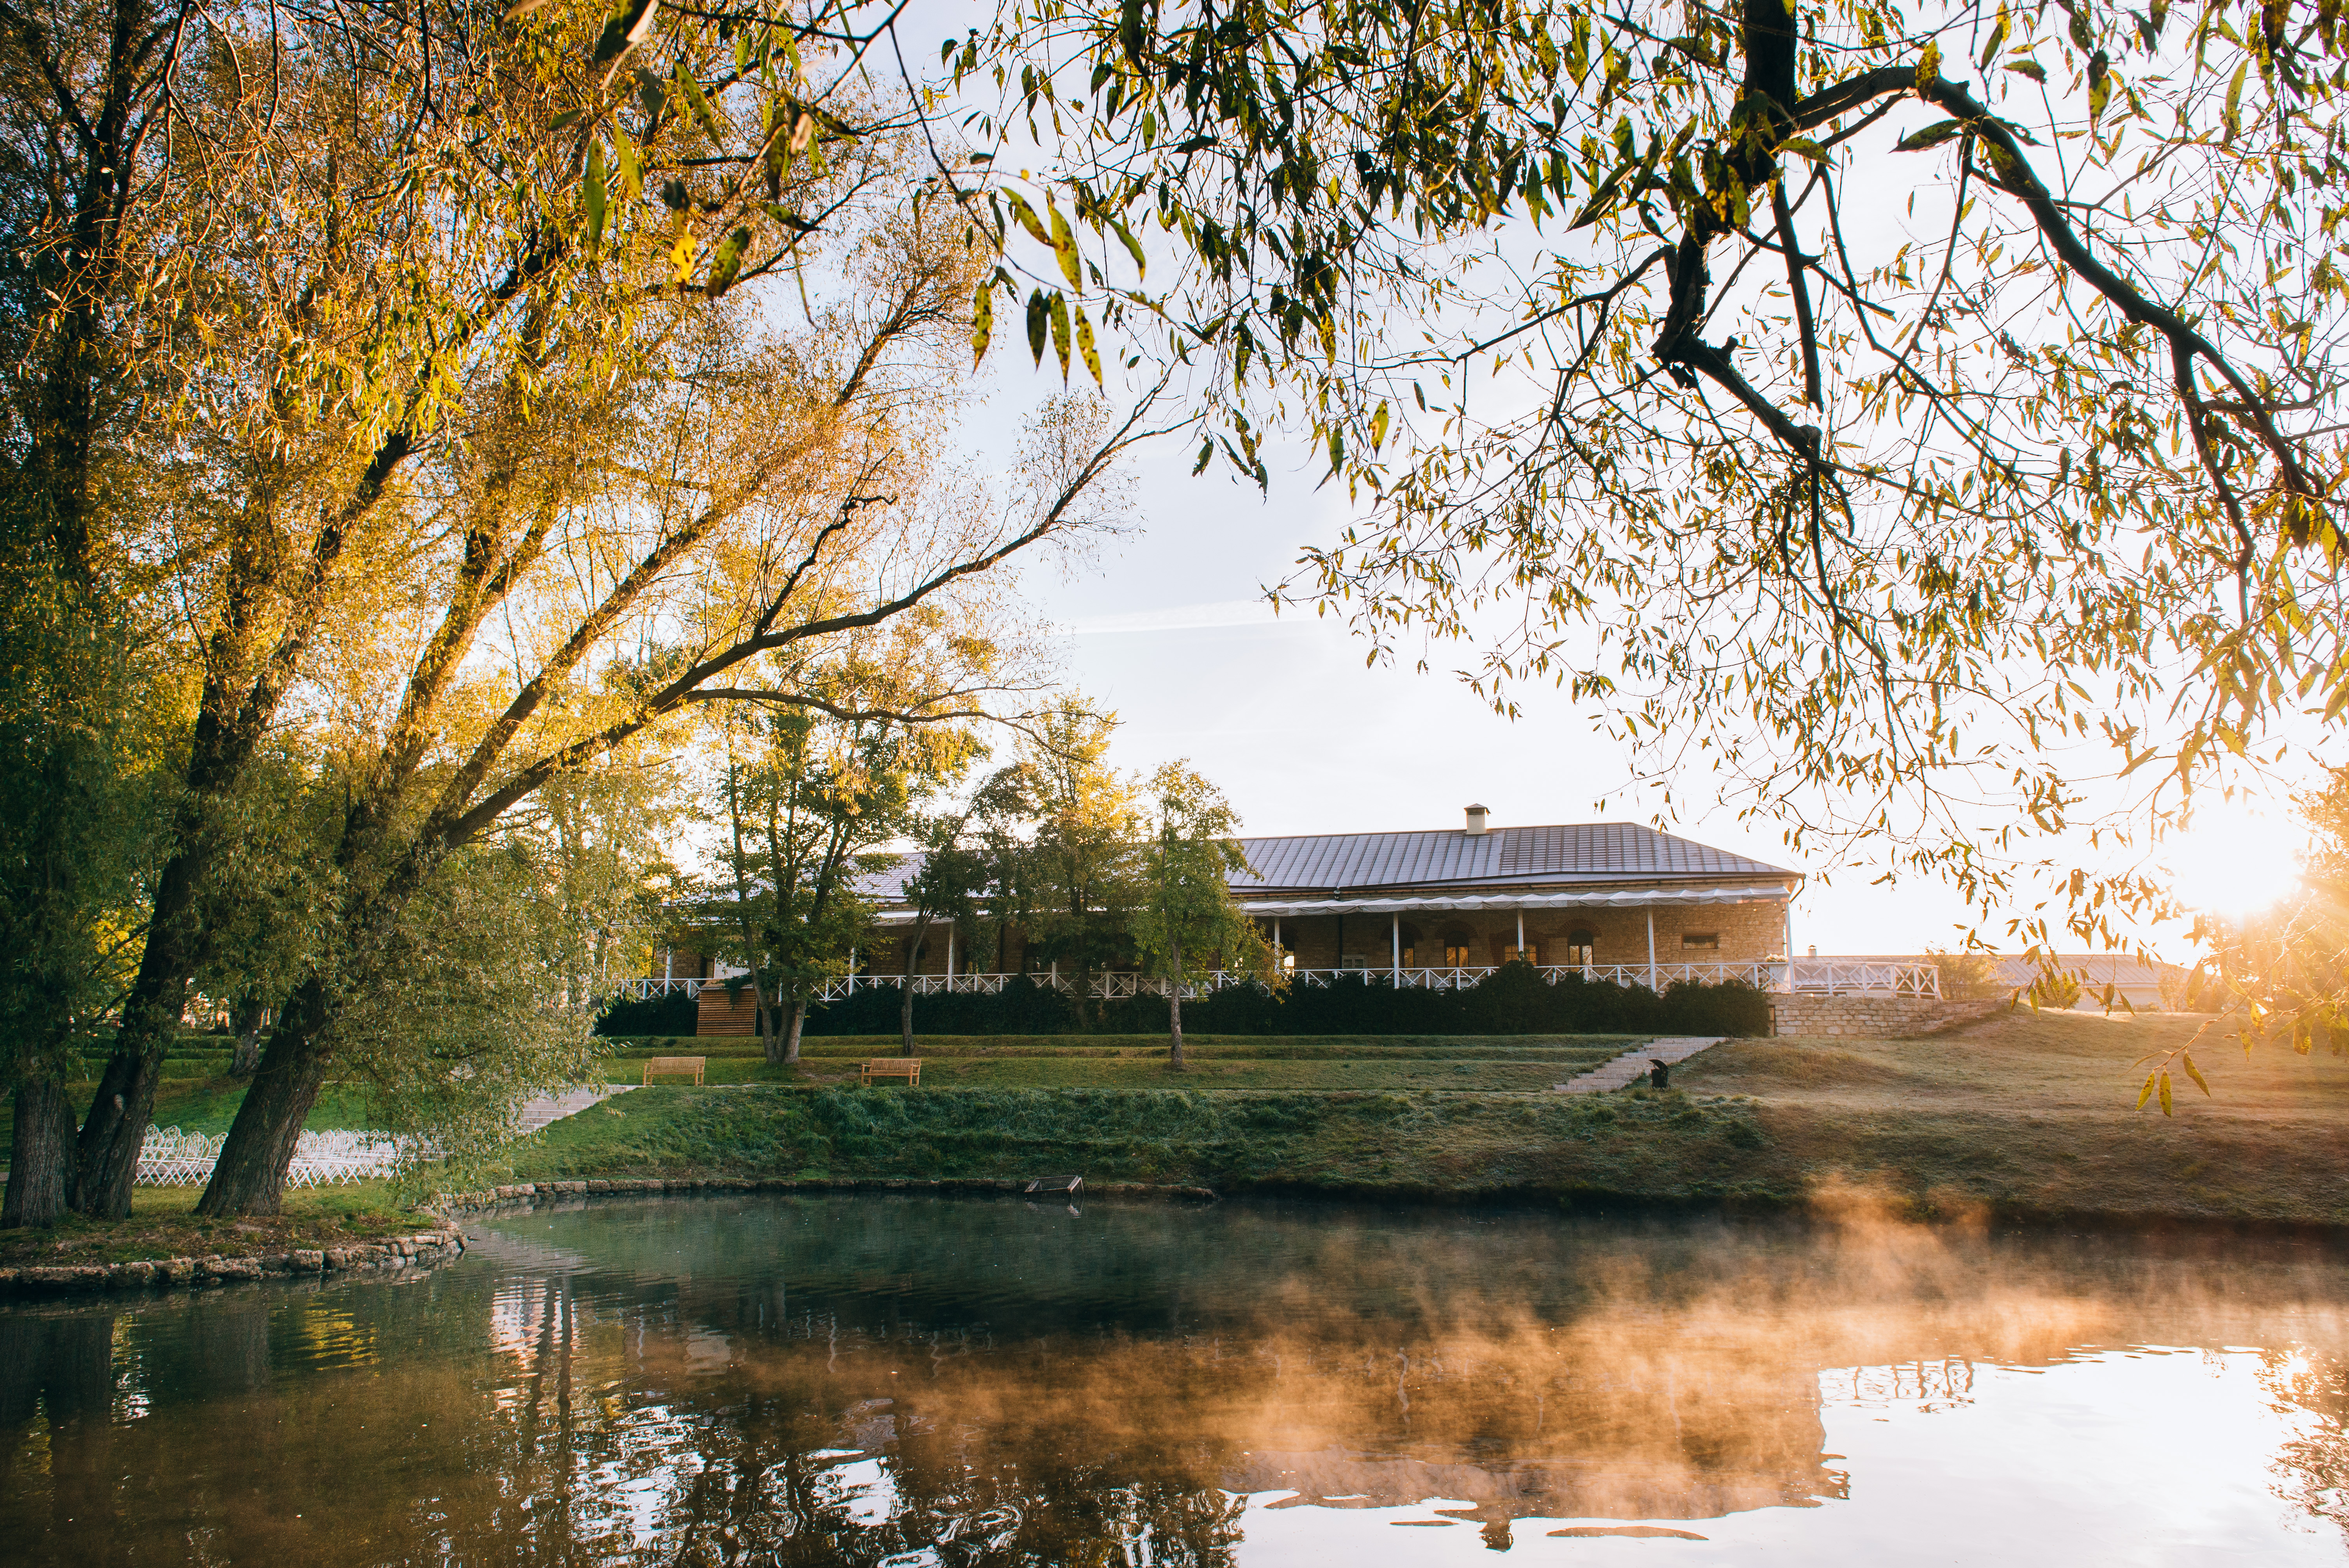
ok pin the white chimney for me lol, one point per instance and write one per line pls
(1475, 820)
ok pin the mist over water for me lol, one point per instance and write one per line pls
(899, 1380)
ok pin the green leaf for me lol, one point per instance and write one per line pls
(592, 194)
(626, 27)
(2032, 68)
(982, 315)
(1997, 38)
(1933, 134)
(1064, 245)
(1804, 147)
(1039, 323)
(696, 102)
(1132, 247)
(726, 264)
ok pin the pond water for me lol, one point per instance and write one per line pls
(903, 1380)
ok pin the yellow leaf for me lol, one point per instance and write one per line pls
(1085, 349)
(1064, 245)
(982, 321)
(1027, 216)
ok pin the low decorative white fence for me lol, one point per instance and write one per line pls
(170, 1157)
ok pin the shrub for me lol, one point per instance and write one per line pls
(1513, 1000)
(671, 1014)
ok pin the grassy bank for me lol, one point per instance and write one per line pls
(1391, 1141)
(1518, 1062)
(163, 1224)
(2022, 1116)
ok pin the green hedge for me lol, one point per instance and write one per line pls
(1513, 1000)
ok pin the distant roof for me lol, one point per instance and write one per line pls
(1561, 855)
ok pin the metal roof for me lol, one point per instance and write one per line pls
(1561, 855)
(1570, 863)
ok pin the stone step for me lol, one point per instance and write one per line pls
(1632, 1065)
(552, 1108)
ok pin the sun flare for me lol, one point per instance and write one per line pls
(2234, 861)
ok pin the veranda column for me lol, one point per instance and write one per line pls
(950, 939)
(1651, 950)
(1521, 936)
(1398, 951)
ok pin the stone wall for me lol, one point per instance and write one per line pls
(1872, 1017)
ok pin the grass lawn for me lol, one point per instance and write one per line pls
(208, 1105)
(163, 1224)
(1517, 1063)
(2036, 1112)
(2023, 1115)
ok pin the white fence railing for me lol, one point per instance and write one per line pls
(1810, 977)
(170, 1157)
(638, 990)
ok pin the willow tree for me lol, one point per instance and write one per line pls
(1921, 414)
(719, 505)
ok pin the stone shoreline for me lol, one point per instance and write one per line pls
(418, 1250)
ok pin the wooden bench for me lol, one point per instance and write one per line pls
(693, 1065)
(907, 1067)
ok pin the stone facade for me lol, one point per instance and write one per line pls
(1872, 1017)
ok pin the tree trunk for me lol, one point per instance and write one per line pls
(792, 1033)
(106, 1155)
(770, 1041)
(1175, 1016)
(248, 1022)
(40, 1167)
(250, 1176)
(906, 992)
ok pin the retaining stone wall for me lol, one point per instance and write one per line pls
(1872, 1017)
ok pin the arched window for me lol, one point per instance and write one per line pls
(1581, 949)
(1459, 947)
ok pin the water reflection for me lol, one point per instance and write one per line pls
(896, 1380)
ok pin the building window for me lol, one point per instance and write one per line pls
(1581, 949)
(1456, 955)
(1701, 939)
(1530, 953)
